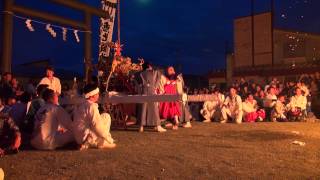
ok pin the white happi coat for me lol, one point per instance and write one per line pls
(270, 100)
(232, 108)
(91, 127)
(210, 107)
(279, 111)
(298, 102)
(249, 107)
(53, 84)
(49, 122)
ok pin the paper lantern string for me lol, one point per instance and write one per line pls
(29, 25)
(51, 31)
(49, 27)
(64, 34)
(76, 35)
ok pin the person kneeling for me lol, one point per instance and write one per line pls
(251, 113)
(92, 129)
(53, 125)
(297, 106)
(279, 111)
(211, 109)
(232, 107)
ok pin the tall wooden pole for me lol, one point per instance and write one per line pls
(6, 59)
(88, 49)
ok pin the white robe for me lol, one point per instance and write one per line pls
(48, 120)
(90, 127)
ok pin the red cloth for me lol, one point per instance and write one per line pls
(170, 109)
(252, 117)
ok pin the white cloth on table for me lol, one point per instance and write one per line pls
(53, 128)
(89, 126)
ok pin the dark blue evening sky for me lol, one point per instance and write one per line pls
(165, 32)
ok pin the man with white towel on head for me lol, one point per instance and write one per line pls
(92, 129)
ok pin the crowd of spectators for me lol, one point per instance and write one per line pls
(30, 114)
(273, 100)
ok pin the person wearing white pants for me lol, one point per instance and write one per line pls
(232, 107)
(92, 129)
(211, 109)
(53, 125)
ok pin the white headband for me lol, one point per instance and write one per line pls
(91, 93)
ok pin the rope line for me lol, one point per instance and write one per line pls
(43, 23)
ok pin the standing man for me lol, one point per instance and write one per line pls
(52, 82)
(92, 129)
(150, 111)
(185, 116)
(232, 107)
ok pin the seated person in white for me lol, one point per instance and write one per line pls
(52, 124)
(297, 105)
(52, 82)
(251, 111)
(211, 108)
(270, 101)
(232, 107)
(271, 98)
(279, 112)
(92, 129)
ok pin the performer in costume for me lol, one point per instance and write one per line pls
(150, 111)
(92, 129)
(168, 85)
(184, 107)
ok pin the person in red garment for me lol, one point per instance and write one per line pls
(170, 110)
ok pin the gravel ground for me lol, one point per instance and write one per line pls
(207, 151)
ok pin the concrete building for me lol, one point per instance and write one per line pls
(263, 52)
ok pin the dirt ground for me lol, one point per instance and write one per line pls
(207, 151)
